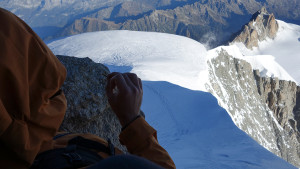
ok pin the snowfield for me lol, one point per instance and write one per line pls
(194, 129)
(174, 59)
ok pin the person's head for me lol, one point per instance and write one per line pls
(30, 74)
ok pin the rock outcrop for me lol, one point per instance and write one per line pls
(261, 26)
(262, 107)
(279, 95)
(88, 110)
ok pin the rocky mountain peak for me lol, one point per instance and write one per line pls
(263, 10)
(262, 25)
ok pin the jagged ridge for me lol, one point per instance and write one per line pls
(262, 107)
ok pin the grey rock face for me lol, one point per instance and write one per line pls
(282, 97)
(279, 95)
(88, 110)
(89, 25)
(261, 26)
(297, 109)
(244, 95)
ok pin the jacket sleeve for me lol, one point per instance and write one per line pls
(141, 140)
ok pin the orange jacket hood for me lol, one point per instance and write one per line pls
(30, 75)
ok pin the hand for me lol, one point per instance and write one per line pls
(125, 93)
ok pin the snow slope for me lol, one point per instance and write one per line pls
(285, 48)
(266, 63)
(195, 130)
(146, 53)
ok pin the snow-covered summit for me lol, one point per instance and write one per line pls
(152, 56)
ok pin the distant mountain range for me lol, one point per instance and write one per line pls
(212, 22)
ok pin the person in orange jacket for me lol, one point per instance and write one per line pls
(32, 108)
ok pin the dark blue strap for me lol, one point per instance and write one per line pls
(60, 135)
(89, 144)
(70, 157)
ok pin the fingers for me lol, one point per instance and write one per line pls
(109, 92)
(128, 81)
(109, 76)
(109, 87)
(134, 80)
(118, 81)
(122, 81)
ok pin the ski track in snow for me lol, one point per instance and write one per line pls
(165, 103)
(195, 130)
